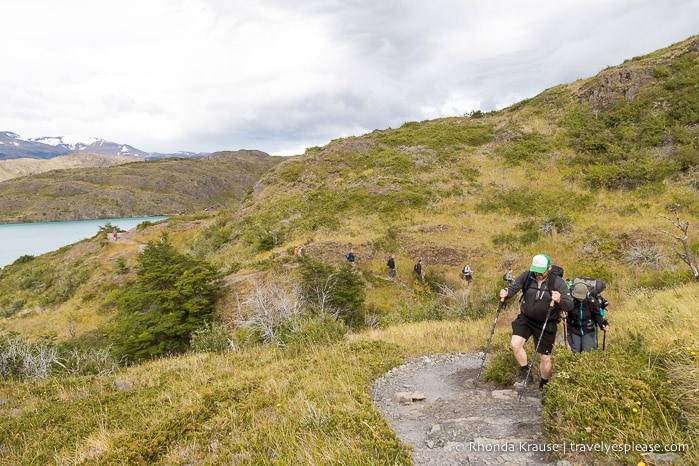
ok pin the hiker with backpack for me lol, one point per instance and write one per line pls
(544, 297)
(584, 319)
(509, 279)
(391, 263)
(417, 268)
(467, 273)
(350, 257)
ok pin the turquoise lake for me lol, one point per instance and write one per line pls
(34, 239)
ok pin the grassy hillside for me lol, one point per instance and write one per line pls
(14, 168)
(161, 187)
(587, 172)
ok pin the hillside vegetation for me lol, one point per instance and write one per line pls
(269, 359)
(143, 188)
(14, 168)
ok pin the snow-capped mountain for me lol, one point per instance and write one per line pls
(12, 146)
(75, 144)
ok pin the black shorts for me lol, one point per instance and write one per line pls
(525, 328)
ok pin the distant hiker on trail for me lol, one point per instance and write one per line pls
(545, 296)
(350, 257)
(509, 279)
(116, 236)
(417, 268)
(584, 319)
(467, 273)
(392, 266)
(298, 251)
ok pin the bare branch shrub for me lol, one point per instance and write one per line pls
(457, 299)
(643, 255)
(269, 305)
(684, 253)
(322, 294)
(20, 359)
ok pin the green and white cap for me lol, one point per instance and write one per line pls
(540, 263)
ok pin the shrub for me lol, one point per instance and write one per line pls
(21, 360)
(23, 259)
(339, 291)
(527, 147)
(643, 255)
(309, 330)
(269, 305)
(120, 266)
(172, 296)
(212, 338)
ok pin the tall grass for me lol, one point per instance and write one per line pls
(642, 390)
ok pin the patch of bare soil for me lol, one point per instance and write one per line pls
(432, 405)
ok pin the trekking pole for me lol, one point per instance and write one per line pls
(565, 333)
(501, 306)
(604, 340)
(536, 349)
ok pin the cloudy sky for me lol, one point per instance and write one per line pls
(283, 75)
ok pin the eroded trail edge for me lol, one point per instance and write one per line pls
(431, 404)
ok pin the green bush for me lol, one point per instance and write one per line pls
(438, 135)
(172, 297)
(336, 290)
(120, 266)
(310, 330)
(527, 147)
(211, 338)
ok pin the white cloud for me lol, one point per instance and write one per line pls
(277, 75)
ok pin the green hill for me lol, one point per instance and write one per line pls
(145, 188)
(591, 173)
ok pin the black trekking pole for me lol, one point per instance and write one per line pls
(565, 333)
(536, 349)
(501, 306)
(604, 340)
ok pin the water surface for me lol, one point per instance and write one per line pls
(34, 239)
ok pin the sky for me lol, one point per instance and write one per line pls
(281, 76)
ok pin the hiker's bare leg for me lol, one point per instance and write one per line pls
(517, 345)
(546, 367)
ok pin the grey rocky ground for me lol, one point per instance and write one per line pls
(431, 404)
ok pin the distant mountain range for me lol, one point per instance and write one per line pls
(12, 146)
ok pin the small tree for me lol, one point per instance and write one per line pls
(172, 296)
(685, 254)
(337, 291)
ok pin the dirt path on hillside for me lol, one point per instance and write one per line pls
(455, 424)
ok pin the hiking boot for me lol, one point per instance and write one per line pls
(524, 380)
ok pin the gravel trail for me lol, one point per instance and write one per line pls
(431, 404)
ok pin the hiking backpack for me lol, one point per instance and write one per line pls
(555, 270)
(594, 286)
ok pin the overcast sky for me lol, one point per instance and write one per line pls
(283, 75)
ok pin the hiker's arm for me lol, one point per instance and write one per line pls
(599, 317)
(516, 285)
(565, 302)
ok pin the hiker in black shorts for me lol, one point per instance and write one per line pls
(545, 297)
